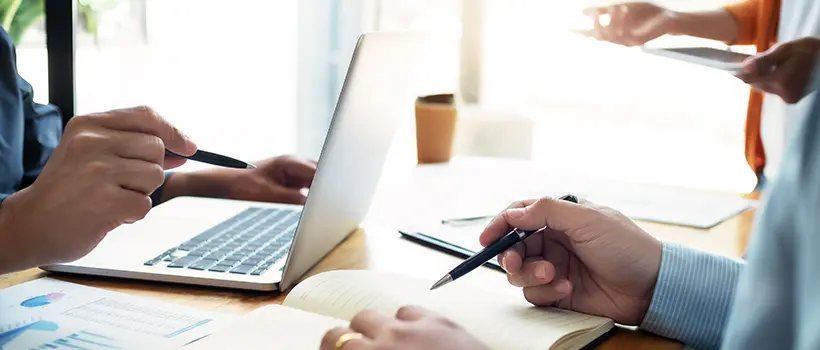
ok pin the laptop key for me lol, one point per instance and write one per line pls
(152, 262)
(198, 252)
(184, 261)
(233, 258)
(252, 261)
(259, 271)
(243, 269)
(202, 264)
(221, 267)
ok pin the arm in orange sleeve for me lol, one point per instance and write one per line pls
(746, 15)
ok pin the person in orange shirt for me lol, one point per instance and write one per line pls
(785, 34)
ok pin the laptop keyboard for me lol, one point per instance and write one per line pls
(248, 243)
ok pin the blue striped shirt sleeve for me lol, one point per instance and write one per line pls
(693, 296)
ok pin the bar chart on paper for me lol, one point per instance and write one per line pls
(52, 335)
(51, 314)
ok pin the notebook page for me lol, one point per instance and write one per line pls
(499, 321)
(271, 327)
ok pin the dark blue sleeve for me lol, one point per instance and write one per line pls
(29, 131)
(156, 197)
(43, 127)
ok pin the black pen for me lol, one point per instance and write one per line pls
(215, 159)
(491, 251)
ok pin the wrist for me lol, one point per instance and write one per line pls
(15, 248)
(204, 183)
(676, 23)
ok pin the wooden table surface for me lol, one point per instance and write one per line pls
(381, 248)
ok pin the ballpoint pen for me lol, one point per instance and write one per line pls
(464, 221)
(491, 251)
(215, 159)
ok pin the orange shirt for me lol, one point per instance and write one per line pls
(757, 25)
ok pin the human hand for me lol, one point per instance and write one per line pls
(281, 179)
(630, 24)
(412, 328)
(784, 70)
(100, 176)
(586, 258)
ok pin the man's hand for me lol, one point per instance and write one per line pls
(99, 177)
(282, 179)
(413, 328)
(586, 258)
(784, 70)
(630, 24)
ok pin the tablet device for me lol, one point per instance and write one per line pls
(729, 61)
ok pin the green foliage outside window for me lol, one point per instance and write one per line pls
(18, 16)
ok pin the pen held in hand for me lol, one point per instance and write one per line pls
(215, 159)
(491, 251)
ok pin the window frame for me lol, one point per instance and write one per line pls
(60, 24)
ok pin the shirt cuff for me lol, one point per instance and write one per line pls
(156, 197)
(693, 296)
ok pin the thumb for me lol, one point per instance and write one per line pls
(765, 62)
(555, 214)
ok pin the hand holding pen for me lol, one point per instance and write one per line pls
(585, 257)
(491, 250)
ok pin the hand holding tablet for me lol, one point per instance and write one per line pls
(784, 70)
(729, 61)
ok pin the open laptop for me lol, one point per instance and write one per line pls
(265, 246)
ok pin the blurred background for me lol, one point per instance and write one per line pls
(253, 78)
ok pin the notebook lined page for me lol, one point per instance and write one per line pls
(271, 327)
(499, 321)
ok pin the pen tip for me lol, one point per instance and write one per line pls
(444, 280)
(251, 166)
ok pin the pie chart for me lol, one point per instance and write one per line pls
(42, 300)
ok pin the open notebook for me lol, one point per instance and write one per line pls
(331, 299)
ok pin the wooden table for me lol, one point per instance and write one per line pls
(381, 248)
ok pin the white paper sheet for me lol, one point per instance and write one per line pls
(51, 314)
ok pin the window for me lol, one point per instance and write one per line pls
(253, 78)
(26, 29)
(612, 111)
(248, 78)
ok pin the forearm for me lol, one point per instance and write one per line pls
(717, 25)
(693, 296)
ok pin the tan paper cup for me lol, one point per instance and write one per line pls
(436, 117)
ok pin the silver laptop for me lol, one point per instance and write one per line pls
(264, 246)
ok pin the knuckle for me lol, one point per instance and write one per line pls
(397, 331)
(147, 114)
(147, 111)
(513, 280)
(331, 336)
(446, 322)
(78, 121)
(360, 317)
(531, 296)
(155, 174)
(404, 310)
(82, 141)
(99, 168)
(141, 208)
(155, 146)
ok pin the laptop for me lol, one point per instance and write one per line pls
(268, 246)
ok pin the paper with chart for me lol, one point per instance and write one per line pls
(51, 314)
